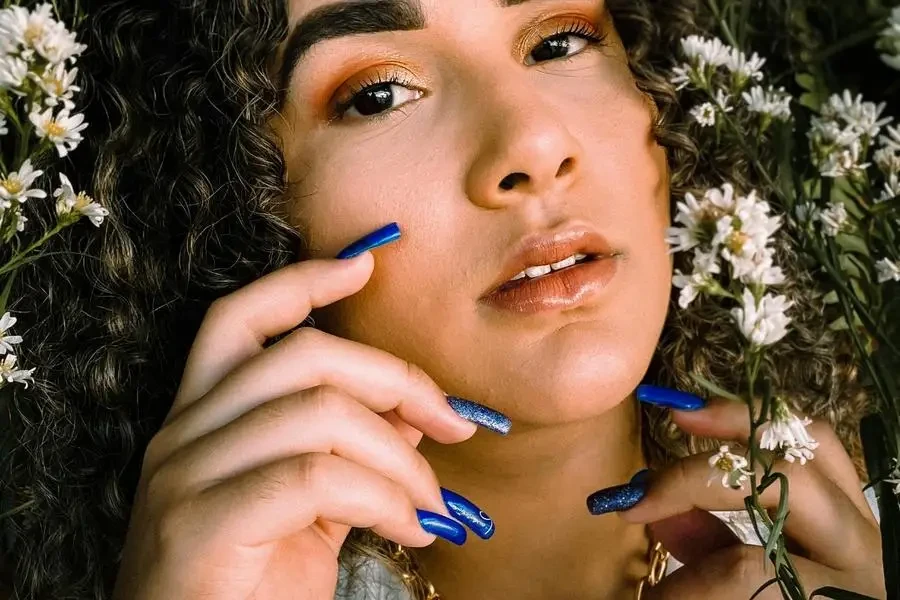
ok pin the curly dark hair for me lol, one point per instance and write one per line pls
(179, 95)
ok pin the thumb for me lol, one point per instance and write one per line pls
(692, 535)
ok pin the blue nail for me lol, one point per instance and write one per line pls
(442, 526)
(387, 234)
(619, 497)
(480, 414)
(465, 511)
(669, 398)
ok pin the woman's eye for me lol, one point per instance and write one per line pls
(378, 98)
(560, 45)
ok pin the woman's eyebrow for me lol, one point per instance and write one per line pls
(340, 19)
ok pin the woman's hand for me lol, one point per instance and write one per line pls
(269, 455)
(833, 535)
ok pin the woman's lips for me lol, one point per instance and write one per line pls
(566, 288)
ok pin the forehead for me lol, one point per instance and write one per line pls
(298, 9)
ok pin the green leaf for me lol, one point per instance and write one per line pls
(849, 267)
(715, 389)
(806, 81)
(852, 243)
(831, 297)
(886, 206)
(839, 324)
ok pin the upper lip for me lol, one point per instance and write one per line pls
(544, 248)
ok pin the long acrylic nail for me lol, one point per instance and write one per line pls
(480, 414)
(387, 234)
(669, 398)
(442, 526)
(619, 497)
(464, 510)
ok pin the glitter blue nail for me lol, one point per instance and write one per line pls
(387, 234)
(466, 511)
(442, 526)
(619, 497)
(669, 398)
(480, 414)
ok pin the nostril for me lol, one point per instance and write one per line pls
(565, 167)
(510, 181)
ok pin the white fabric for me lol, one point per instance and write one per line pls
(373, 581)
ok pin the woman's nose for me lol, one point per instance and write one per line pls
(526, 151)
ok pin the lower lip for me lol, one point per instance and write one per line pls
(559, 290)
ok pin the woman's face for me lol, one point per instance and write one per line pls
(475, 124)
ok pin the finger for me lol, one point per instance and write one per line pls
(739, 571)
(827, 524)
(323, 420)
(730, 420)
(309, 358)
(237, 325)
(283, 498)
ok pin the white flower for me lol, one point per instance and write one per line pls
(787, 432)
(68, 202)
(892, 138)
(895, 477)
(730, 467)
(722, 99)
(861, 116)
(13, 71)
(842, 162)
(13, 375)
(6, 341)
(890, 40)
(682, 76)
(775, 103)
(758, 268)
(746, 232)
(3, 128)
(699, 217)
(63, 130)
(58, 45)
(20, 221)
(706, 264)
(764, 323)
(887, 270)
(705, 51)
(705, 114)
(891, 189)
(17, 185)
(37, 31)
(745, 69)
(888, 161)
(58, 84)
(833, 218)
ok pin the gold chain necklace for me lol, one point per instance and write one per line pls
(411, 573)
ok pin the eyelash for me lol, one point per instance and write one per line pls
(580, 29)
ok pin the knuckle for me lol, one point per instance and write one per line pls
(329, 403)
(175, 522)
(156, 451)
(310, 471)
(306, 338)
(417, 376)
(161, 482)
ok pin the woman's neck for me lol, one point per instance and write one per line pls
(534, 485)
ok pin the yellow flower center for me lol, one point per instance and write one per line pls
(13, 186)
(33, 32)
(54, 129)
(736, 241)
(82, 200)
(725, 464)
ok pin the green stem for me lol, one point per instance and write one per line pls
(20, 258)
(726, 30)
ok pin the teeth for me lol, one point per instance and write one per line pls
(539, 270)
(566, 262)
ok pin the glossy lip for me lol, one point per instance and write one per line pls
(559, 290)
(544, 248)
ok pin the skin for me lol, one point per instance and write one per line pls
(487, 115)
(244, 490)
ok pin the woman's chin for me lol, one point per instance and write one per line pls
(568, 397)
